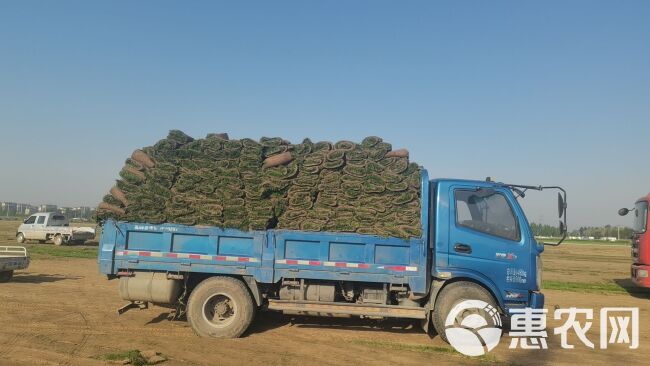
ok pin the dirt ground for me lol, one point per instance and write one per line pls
(61, 311)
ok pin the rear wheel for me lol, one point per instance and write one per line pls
(20, 238)
(58, 239)
(5, 276)
(453, 294)
(220, 307)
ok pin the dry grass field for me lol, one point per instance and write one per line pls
(61, 311)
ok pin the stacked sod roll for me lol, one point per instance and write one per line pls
(366, 188)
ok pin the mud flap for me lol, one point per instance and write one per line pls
(254, 289)
(425, 323)
(436, 286)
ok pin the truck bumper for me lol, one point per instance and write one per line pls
(640, 275)
(536, 300)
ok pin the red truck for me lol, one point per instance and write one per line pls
(640, 242)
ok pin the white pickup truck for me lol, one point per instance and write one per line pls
(11, 259)
(52, 226)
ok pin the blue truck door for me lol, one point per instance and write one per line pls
(486, 236)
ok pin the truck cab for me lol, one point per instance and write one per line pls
(640, 242)
(52, 226)
(488, 240)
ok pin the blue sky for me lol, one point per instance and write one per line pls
(551, 92)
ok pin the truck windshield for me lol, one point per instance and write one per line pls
(641, 216)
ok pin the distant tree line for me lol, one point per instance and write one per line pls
(585, 231)
(545, 230)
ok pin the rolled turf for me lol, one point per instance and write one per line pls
(255, 185)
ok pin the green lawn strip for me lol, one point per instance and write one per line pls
(622, 242)
(43, 251)
(589, 287)
(421, 348)
(133, 356)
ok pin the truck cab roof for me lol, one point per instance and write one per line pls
(484, 183)
(645, 198)
(52, 215)
(51, 218)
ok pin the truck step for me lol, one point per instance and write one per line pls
(329, 308)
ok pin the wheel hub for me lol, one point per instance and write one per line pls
(219, 310)
(222, 308)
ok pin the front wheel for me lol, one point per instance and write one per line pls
(20, 238)
(455, 293)
(5, 276)
(220, 307)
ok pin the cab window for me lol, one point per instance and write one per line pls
(30, 220)
(41, 220)
(641, 217)
(486, 211)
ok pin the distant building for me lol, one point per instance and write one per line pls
(25, 209)
(12, 209)
(85, 212)
(66, 211)
(80, 213)
(47, 208)
(8, 208)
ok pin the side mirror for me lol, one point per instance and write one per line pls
(560, 205)
(562, 228)
(624, 211)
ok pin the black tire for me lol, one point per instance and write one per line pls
(453, 294)
(5, 276)
(20, 238)
(229, 304)
(58, 240)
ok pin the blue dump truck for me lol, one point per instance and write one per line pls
(476, 243)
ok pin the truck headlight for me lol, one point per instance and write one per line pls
(539, 272)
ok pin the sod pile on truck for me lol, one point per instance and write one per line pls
(219, 229)
(257, 185)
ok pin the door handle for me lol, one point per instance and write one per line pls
(463, 248)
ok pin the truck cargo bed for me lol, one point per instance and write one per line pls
(268, 256)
